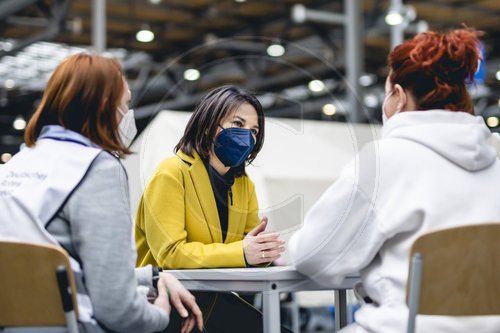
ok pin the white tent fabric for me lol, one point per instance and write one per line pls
(299, 160)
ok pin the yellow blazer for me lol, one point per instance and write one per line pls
(177, 223)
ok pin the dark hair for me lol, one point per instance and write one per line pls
(208, 114)
(82, 95)
(435, 68)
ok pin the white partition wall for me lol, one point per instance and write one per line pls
(299, 160)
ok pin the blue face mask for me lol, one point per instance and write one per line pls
(233, 145)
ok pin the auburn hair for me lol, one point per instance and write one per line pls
(82, 95)
(436, 67)
(202, 127)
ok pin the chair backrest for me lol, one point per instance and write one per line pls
(29, 290)
(460, 273)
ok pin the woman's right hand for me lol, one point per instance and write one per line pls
(262, 247)
(162, 300)
(183, 301)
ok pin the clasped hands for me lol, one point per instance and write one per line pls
(260, 246)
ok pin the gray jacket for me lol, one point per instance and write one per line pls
(95, 227)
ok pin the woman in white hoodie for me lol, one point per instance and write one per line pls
(432, 168)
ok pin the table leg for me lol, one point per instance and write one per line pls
(340, 309)
(271, 310)
(295, 314)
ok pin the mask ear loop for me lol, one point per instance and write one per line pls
(214, 139)
(404, 103)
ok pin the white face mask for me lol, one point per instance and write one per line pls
(126, 128)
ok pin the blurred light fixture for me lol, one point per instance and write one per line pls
(497, 75)
(191, 74)
(299, 13)
(398, 14)
(145, 35)
(422, 26)
(329, 109)
(492, 121)
(19, 123)
(371, 100)
(316, 85)
(6, 157)
(366, 80)
(275, 50)
(240, 0)
(393, 17)
(9, 83)
(154, 2)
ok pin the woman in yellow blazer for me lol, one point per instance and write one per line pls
(199, 209)
(178, 223)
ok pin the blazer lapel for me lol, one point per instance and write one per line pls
(236, 225)
(205, 194)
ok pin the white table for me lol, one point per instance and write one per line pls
(269, 281)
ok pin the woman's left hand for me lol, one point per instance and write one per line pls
(182, 298)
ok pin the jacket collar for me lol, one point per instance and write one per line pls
(57, 132)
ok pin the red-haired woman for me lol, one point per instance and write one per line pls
(431, 161)
(67, 188)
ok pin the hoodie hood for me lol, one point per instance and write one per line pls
(458, 136)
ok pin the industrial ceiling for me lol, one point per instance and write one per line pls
(227, 41)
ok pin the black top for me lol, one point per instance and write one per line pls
(221, 185)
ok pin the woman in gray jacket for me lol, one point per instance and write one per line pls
(71, 190)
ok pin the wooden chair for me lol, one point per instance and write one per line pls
(455, 272)
(37, 286)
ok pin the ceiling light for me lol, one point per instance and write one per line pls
(299, 13)
(191, 74)
(275, 50)
(240, 0)
(398, 14)
(366, 80)
(6, 157)
(145, 35)
(155, 2)
(492, 121)
(497, 75)
(393, 17)
(371, 100)
(19, 123)
(316, 85)
(422, 26)
(329, 109)
(9, 83)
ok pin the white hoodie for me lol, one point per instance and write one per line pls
(430, 170)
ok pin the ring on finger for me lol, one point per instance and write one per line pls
(263, 255)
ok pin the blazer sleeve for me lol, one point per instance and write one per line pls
(161, 222)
